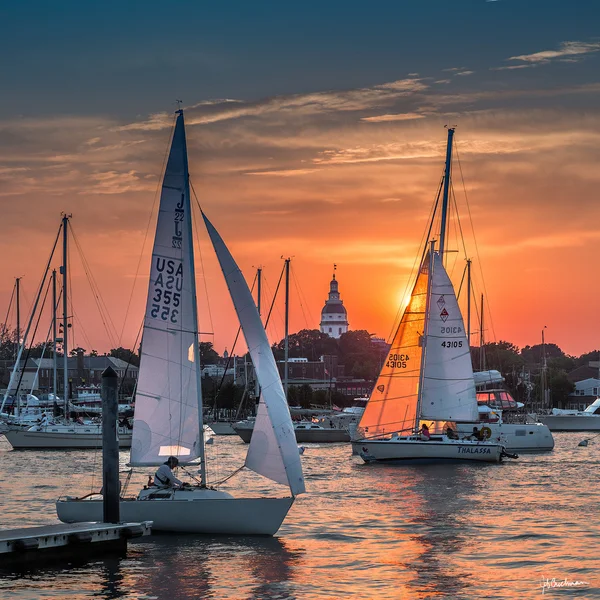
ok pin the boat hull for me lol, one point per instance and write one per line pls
(406, 450)
(222, 428)
(49, 440)
(515, 437)
(571, 422)
(219, 514)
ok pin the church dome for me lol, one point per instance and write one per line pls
(334, 309)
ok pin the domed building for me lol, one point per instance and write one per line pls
(334, 318)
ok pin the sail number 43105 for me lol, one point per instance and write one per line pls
(397, 361)
(452, 344)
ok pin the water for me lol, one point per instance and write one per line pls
(361, 531)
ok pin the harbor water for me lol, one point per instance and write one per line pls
(521, 529)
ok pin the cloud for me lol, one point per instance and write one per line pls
(398, 117)
(566, 49)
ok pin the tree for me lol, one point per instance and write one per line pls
(560, 387)
(307, 343)
(126, 355)
(208, 355)
(75, 351)
(361, 357)
(305, 395)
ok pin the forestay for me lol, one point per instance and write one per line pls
(448, 387)
(273, 450)
(392, 406)
(166, 418)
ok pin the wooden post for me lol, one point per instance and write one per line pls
(110, 447)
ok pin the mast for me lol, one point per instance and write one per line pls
(446, 192)
(17, 287)
(190, 244)
(258, 302)
(287, 317)
(63, 270)
(481, 341)
(54, 359)
(424, 336)
(469, 302)
(545, 403)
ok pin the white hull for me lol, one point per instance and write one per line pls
(412, 449)
(198, 511)
(304, 434)
(222, 427)
(23, 439)
(571, 422)
(514, 436)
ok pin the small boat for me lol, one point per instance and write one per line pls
(427, 377)
(573, 420)
(168, 405)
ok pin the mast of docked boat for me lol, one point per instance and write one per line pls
(469, 302)
(63, 270)
(192, 270)
(258, 306)
(447, 173)
(544, 382)
(423, 340)
(54, 340)
(287, 318)
(18, 295)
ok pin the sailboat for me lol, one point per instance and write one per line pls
(168, 406)
(428, 376)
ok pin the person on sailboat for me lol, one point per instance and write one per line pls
(424, 431)
(164, 475)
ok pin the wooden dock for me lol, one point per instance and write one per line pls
(62, 539)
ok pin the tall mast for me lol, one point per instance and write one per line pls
(18, 293)
(287, 317)
(481, 341)
(469, 302)
(545, 403)
(446, 193)
(63, 270)
(190, 244)
(54, 359)
(424, 336)
(258, 301)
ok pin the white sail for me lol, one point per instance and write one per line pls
(448, 388)
(273, 450)
(166, 420)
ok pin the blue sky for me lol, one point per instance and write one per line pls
(134, 58)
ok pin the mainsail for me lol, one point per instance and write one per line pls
(448, 389)
(392, 406)
(273, 450)
(166, 420)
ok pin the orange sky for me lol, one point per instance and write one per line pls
(335, 176)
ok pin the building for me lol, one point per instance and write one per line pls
(587, 386)
(334, 318)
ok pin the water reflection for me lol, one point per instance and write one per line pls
(218, 567)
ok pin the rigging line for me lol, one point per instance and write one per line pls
(274, 328)
(237, 335)
(475, 241)
(422, 243)
(33, 337)
(295, 280)
(137, 270)
(131, 355)
(5, 324)
(100, 304)
(462, 280)
(212, 327)
(275, 296)
(95, 288)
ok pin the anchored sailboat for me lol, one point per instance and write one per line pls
(168, 407)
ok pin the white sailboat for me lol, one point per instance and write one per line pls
(428, 377)
(168, 407)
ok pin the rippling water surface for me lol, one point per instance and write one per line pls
(361, 531)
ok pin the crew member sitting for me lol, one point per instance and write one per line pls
(424, 431)
(477, 434)
(450, 433)
(164, 475)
